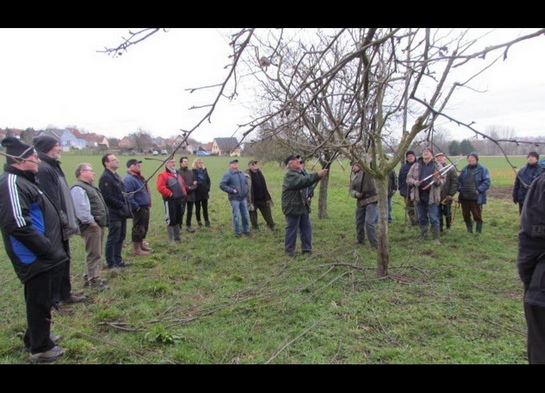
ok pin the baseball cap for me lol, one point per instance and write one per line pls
(232, 161)
(132, 162)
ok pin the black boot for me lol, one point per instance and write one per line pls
(469, 225)
(479, 227)
(449, 222)
(423, 232)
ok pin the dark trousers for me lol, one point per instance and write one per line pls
(471, 208)
(189, 210)
(174, 211)
(38, 295)
(445, 214)
(535, 321)
(299, 224)
(204, 205)
(266, 212)
(62, 285)
(117, 231)
(140, 224)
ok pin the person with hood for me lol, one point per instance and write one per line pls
(34, 242)
(171, 186)
(410, 208)
(425, 180)
(473, 183)
(52, 181)
(202, 192)
(531, 268)
(139, 197)
(525, 176)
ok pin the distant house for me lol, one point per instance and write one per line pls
(226, 147)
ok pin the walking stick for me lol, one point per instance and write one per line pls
(456, 205)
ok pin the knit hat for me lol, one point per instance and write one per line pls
(474, 154)
(44, 143)
(409, 152)
(16, 148)
(534, 154)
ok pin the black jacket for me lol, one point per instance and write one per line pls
(30, 225)
(113, 191)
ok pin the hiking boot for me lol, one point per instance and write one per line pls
(55, 340)
(190, 230)
(207, 224)
(124, 264)
(48, 356)
(199, 224)
(73, 299)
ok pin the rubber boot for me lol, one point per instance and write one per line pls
(170, 232)
(138, 249)
(449, 223)
(479, 227)
(469, 225)
(423, 232)
(435, 232)
(177, 237)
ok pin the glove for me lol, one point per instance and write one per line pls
(359, 194)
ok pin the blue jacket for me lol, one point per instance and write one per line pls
(402, 178)
(137, 188)
(525, 176)
(232, 180)
(482, 181)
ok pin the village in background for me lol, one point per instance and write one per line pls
(138, 143)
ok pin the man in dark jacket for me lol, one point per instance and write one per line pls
(410, 208)
(362, 187)
(191, 185)
(34, 242)
(525, 177)
(259, 197)
(52, 181)
(473, 183)
(531, 268)
(113, 191)
(295, 206)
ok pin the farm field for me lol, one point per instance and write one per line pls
(218, 299)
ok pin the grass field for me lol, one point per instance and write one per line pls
(217, 299)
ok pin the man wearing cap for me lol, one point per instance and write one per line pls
(410, 159)
(294, 204)
(140, 201)
(525, 176)
(426, 183)
(449, 189)
(233, 182)
(473, 182)
(52, 181)
(259, 197)
(113, 191)
(33, 240)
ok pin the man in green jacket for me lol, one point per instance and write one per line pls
(294, 204)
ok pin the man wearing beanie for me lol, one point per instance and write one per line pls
(410, 209)
(473, 182)
(52, 181)
(33, 240)
(525, 176)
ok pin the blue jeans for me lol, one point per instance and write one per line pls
(301, 224)
(239, 210)
(425, 211)
(117, 231)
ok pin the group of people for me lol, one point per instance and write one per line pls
(39, 213)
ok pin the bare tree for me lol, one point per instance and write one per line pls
(141, 139)
(347, 92)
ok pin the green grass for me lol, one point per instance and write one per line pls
(217, 299)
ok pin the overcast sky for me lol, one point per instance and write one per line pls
(55, 77)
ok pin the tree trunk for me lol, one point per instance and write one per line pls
(383, 254)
